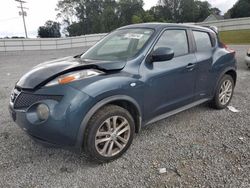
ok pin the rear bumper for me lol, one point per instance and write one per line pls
(65, 117)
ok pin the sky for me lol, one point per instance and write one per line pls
(40, 11)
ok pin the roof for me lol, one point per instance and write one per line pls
(160, 26)
(213, 17)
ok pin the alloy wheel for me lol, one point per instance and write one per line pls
(112, 136)
(226, 91)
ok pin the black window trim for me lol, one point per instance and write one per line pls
(214, 38)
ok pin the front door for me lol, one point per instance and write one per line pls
(170, 84)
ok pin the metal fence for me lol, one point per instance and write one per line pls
(229, 24)
(7, 45)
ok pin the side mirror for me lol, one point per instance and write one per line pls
(162, 54)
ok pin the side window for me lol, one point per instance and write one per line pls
(174, 39)
(202, 40)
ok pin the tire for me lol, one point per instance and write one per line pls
(218, 102)
(100, 134)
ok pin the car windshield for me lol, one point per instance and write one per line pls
(119, 45)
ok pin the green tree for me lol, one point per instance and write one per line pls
(203, 10)
(148, 17)
(144, 17)
(51, 29)
(67, 10)
(174, 7)
(127, 9)
(96, 16)
(89, 14)
(184, 10)
(75, 29)
(161, 13)
(188, 11)
(240, 9)
(136, 19)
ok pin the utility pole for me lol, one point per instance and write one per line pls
(23, 14)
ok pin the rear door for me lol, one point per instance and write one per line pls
(204, 54)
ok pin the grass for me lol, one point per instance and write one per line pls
(235, 37)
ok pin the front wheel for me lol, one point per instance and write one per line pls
(109, 134)
(223, 93)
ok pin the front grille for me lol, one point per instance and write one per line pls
(25, 100)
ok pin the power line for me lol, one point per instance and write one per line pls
(23, 14)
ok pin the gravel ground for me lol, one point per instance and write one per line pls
(200, 147)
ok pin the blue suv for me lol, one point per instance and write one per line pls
(96, 101)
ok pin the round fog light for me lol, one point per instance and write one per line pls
(42, 112)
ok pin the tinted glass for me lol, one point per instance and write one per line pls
(203, 42)
(119, 45)
(174, 39)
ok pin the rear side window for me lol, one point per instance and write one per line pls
(202, 40)
(174, 39)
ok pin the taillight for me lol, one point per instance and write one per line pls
(228, 49)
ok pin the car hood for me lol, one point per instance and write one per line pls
(44, 72)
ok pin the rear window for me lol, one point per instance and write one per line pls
(202, 40)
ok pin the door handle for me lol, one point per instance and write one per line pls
(190, 66)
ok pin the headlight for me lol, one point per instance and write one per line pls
(42, 112)
(73, 76)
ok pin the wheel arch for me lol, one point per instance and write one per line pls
(229, 71)
(123, 101)
(232, 73)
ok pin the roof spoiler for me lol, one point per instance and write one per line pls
(213, 28)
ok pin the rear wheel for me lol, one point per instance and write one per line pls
(223, 93)
(109, 133)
